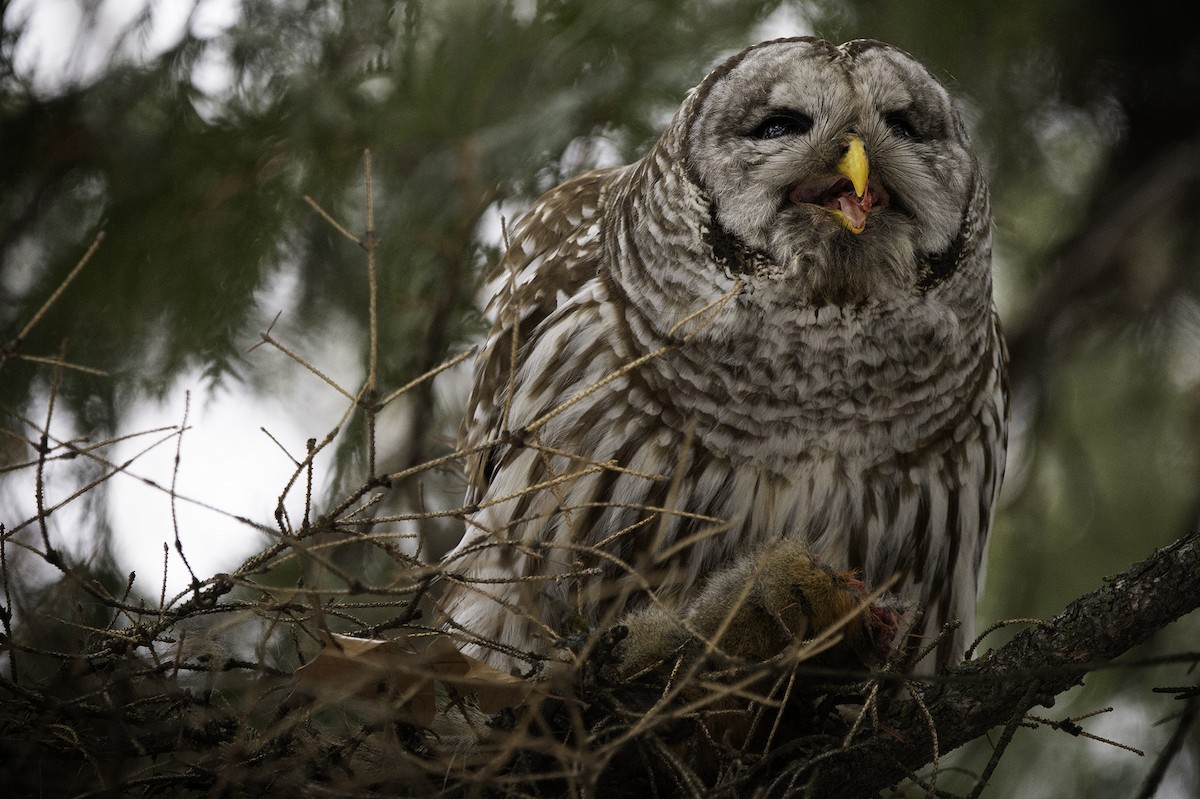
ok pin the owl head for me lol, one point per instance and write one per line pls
(840, 175)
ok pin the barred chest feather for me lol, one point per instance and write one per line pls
(875, 437)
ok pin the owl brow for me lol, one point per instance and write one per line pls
(735, 60)
(714, 77)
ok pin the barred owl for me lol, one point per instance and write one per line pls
(776, 325)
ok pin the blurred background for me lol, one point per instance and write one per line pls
(191, 132)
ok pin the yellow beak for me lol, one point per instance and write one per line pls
(854, 165)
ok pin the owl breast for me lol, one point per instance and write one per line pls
(874, 444)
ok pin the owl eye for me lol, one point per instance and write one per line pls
(900, 125)
(790, 123)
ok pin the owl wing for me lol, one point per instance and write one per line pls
(555, 250)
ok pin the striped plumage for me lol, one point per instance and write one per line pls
(727, 343)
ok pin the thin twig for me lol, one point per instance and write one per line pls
(43, 448)
(1179, 737)
(89, 370)
(6, 613)
(11, 346)
(268, 339)
(1010, 729)
(371, 245)
(332, 222)
(187, 406)
(434, 372)
(513, 320)
(991, 628)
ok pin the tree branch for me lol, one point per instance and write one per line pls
(1031, 669)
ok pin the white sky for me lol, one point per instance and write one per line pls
(226, 460)
(59, 48)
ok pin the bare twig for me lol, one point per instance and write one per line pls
(183, 425)
(1183, 727)
(982, 693)
(10, 347)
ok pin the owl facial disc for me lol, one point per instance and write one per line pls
(850, 194)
